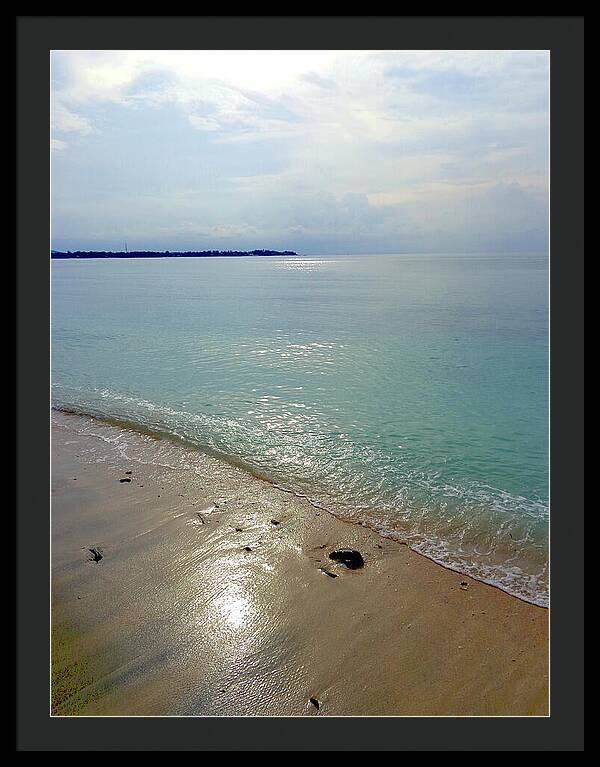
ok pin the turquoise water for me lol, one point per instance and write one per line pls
(407, 392)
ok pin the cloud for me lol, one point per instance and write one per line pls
(65, 121)
(313, 78)
(369, 149)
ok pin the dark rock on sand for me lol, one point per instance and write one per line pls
(96, 556)
(316, 703)
(125, 479)
(274, 521)
(247, 548)
(349, 557)
(328, 572)
(128, 472)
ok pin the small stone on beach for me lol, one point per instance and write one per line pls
(96, 555)
(328, 572)
(351, 558)
(125, 479)
(316, 703)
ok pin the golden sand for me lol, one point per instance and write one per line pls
(211, 599)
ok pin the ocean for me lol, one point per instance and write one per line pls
(405, 392)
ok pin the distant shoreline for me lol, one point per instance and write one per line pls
(166, 253)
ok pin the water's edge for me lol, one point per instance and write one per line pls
(235, 461)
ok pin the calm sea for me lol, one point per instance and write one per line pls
(408, 392)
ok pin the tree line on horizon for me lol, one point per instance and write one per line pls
(166, 253)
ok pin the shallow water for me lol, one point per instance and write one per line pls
(406, 392)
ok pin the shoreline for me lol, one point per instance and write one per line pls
(211, 599)
(159, 434)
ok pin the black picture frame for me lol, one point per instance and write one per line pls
(35, 37)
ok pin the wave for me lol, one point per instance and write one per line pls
(486, 533)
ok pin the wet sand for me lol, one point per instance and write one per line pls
(209, 599)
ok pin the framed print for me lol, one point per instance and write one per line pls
(299, 378)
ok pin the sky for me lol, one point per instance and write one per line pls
(321, 152)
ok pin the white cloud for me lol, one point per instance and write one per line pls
(287, 138)
(64, 120)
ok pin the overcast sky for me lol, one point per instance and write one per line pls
(315, 151)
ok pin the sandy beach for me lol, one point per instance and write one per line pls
(213, 595)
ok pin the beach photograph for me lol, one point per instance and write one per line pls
(299, 397)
